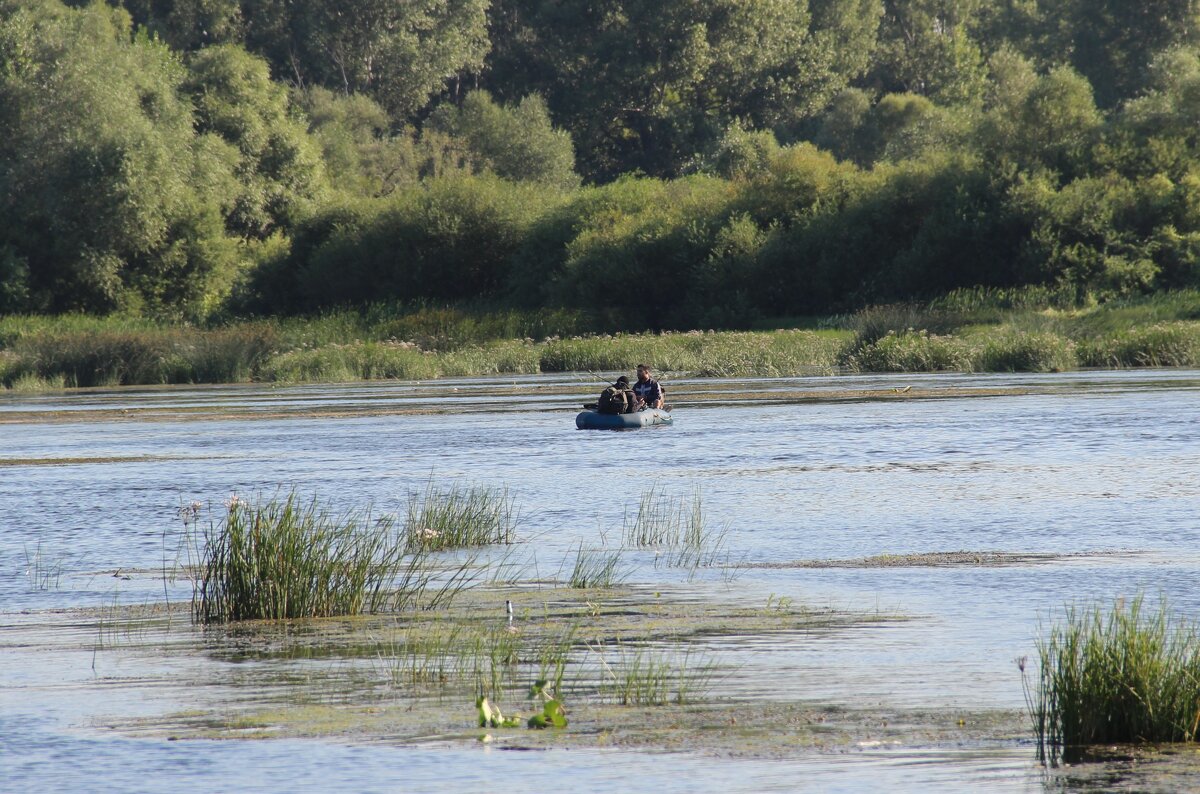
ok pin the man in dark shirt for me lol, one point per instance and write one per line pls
(647, 389)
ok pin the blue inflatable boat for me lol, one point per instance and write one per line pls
(594, 420)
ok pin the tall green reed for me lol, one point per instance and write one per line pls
(596, 568)
(288, 558)
(646, 677)
(677, 528)
(460, 517)
(1125, 675)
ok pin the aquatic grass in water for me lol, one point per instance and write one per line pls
(1115, 677)
(460, 517)
(652, 678)
(284, 559)
(596, 568)
(677, 528)
(42, 574)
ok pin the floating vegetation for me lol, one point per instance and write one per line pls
(1117, 677)
(460, 517)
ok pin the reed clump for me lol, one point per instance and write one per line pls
(1121, 676)
(647, 677)
(460, 517)
(676, 528)
(287, 558)
(1012, 350)
(596, 568)
(908, 351)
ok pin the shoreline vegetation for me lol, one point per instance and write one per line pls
(965, 331)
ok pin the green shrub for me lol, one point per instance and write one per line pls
(1022, 351)
(1159, 345)
(910, 351)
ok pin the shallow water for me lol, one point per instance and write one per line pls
(91, 484)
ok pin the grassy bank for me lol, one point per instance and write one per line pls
(969, 331)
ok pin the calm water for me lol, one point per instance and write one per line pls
(91, 484)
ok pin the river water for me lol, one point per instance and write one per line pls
(1102, 467)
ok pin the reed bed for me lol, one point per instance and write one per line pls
(1125, 675)
(283, 559)
(705, 353)
(1175, 344)
(1040, 329)
(286, 558)
(460, 517)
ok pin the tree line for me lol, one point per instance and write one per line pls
(680, 162)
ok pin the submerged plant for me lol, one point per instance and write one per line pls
(1121, 676)
(459, 517)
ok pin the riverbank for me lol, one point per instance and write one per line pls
(966, 332)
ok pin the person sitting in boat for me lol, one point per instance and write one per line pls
(618, 398)
(649, 393)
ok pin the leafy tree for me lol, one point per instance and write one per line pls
(400, 54)
(515, 142)
(107, 197)
(1112, 42)
(189, 24)
(925, 48)
(279, 167)
(647, 85)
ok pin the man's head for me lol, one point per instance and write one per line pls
(643, 372)
(622, 381)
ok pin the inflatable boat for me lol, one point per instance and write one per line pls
(594, 420)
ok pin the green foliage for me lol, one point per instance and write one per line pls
(398, 53)
(108, 199)
(1116, 677)
(278, 166)
(448, 240)
(515, 142)
(646, 86)
(924, 48)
